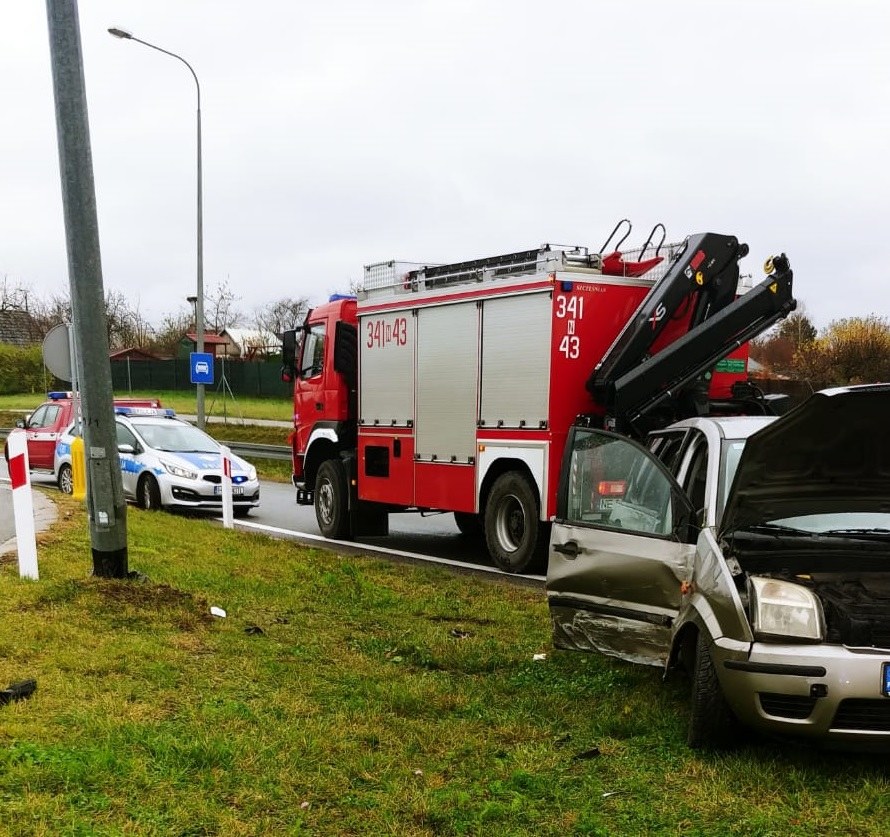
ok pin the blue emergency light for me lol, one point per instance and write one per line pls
(145, 411)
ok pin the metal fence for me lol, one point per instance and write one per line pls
(248, 378)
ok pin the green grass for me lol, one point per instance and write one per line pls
(184, 402)
(353, 696)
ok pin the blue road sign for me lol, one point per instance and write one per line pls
(201, 367)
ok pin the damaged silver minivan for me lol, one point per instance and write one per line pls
(755, 552)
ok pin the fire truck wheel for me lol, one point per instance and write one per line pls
(331, 510)
(470, 525)
(516, 539)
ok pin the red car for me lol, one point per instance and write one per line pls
(44, 426)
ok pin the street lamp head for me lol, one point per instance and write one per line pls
(120, 33)
(191, 299)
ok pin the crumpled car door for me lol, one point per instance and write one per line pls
(619, 550)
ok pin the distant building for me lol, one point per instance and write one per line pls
(249, 344)
(189, 343)
(133, 354)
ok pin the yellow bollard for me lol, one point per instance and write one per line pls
(78, 469)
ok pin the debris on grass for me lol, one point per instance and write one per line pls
(217, 611)
(19, 690)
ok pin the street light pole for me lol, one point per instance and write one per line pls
(199, 303)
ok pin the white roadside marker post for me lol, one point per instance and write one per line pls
(22, 505)
(226, 455)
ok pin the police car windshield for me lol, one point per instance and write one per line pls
(175, 437)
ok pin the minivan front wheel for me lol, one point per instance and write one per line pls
(712, 725)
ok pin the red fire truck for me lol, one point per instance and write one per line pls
(452, 387)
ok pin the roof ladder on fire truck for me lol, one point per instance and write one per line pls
(405, 277)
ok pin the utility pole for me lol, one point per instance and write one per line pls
(106, 506)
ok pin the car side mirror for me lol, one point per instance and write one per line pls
(21, 423)
(130, 449)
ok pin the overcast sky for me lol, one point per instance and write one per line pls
(342, 133)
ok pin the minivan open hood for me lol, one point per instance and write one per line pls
(830, 454)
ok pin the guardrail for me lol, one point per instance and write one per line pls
(254, 451)
(248, 449)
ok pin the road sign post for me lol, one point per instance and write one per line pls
(201, 367)
(22, 505)
(226, 486)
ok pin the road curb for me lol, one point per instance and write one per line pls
(45, 514)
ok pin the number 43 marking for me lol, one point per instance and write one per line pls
(570, 347)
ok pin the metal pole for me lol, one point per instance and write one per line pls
(199, 305)
(105, 497)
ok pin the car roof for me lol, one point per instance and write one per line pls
(728, 427)
(141, 419)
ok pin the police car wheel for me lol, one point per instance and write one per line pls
(148, 494)
(65, 480)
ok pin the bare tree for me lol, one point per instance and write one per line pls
(219, 307)
(778, 349)
(166, 337)
(20, 301)
(281, 315)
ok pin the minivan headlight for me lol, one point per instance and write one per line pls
(783, 610)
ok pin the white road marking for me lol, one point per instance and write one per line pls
(417, 556)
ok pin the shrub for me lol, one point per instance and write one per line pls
(21, 369)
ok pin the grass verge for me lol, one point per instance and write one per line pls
(280, 409)
(348, 695)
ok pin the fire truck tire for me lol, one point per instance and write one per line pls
(331, 500)
(470, 525)
(516, 539)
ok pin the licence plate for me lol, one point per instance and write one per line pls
(236, 489)
(885, 690)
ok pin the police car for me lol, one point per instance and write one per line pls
(167, 463)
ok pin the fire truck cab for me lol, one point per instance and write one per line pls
(453, 387)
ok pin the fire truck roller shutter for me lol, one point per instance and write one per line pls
(386, 354)
(447, 382)
(516, 360)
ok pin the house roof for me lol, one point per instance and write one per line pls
(209, 339)
(18, 328)
(134, 353)
(247, 339)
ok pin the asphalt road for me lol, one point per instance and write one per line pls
(429, 537)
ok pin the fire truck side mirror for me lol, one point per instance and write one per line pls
(288, 355)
